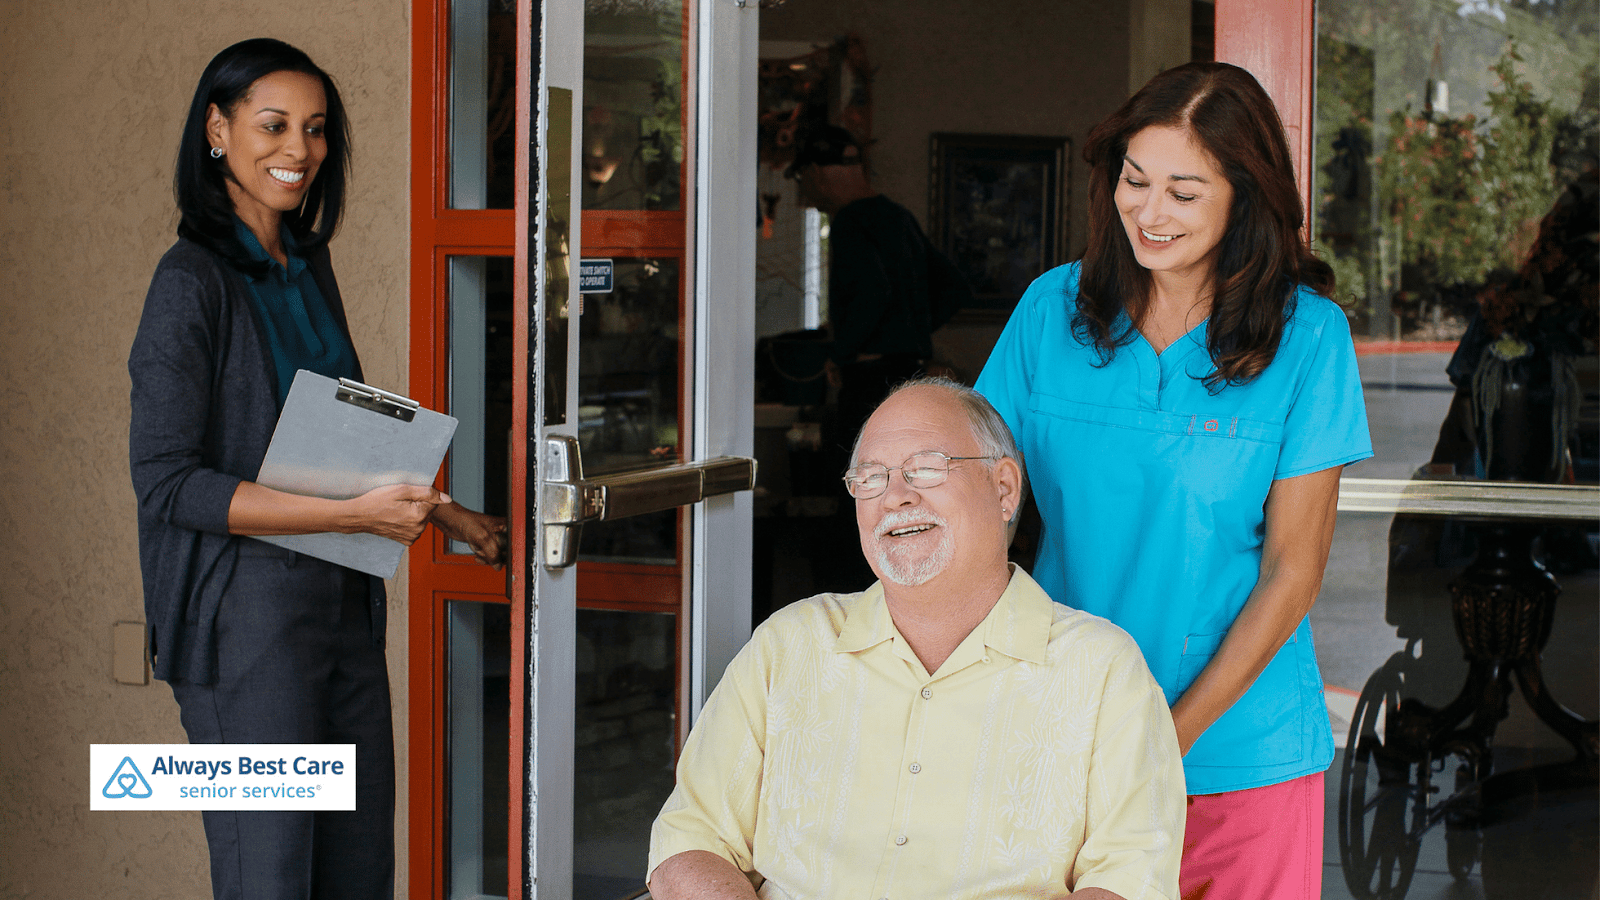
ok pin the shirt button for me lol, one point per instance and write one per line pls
(915, 768)
(927, 693)
(900, 841)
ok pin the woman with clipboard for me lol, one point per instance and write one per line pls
(261, 644)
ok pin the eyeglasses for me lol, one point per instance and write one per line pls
(925, 470)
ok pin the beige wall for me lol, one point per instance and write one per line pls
(1038, 67)
(93, 95)
(1159, 38)
(1028, 67)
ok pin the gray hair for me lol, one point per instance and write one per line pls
(988, 428)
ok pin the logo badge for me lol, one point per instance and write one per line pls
(126, 781)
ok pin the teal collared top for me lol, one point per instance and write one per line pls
(1151, 489)
(300, 328)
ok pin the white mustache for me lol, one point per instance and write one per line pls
(900, 518)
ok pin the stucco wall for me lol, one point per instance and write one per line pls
(93, 95)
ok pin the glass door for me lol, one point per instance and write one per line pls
(636, 589)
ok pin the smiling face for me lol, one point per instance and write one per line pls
(273, 142)
(911, 536)
(1174, 203)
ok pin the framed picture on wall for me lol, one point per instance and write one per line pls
(998, 208)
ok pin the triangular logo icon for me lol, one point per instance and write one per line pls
(126, 781)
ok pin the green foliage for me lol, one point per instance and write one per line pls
(661, 130)
(1461, 193)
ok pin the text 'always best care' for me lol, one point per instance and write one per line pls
(211, 768)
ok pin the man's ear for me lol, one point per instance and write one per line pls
(1008, 483)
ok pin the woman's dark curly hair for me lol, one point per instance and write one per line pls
(1261, 258)
(206, 212)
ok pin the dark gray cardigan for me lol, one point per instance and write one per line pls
(204, 407)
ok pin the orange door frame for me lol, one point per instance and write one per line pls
(434, 575)
(1276, 41)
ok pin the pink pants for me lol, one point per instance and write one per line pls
(1264, 843)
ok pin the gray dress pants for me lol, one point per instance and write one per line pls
(297, 663)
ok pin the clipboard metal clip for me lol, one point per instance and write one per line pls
(377, 400)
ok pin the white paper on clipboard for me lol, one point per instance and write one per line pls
(341, 438)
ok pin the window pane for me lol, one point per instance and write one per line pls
(626, 737)
(1454, 171)
(633, 104)
(480, 382)
(629, 401)
(478, 721)
(483, 51)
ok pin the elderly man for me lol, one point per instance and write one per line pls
(950, 732)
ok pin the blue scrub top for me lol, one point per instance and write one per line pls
(1152, 489)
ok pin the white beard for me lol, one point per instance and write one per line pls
(916, 571)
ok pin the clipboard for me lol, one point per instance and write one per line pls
(340, 439)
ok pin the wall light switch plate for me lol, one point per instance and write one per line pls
(129, 662)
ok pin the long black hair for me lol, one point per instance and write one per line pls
(1261, 259)
(206, 211)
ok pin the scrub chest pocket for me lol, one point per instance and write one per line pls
(1119, 462)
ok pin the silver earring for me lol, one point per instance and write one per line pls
(216, 152)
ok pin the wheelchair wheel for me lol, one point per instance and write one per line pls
(1383, 797)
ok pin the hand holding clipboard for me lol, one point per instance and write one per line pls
(343, 439)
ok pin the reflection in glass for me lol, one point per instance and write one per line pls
(477, 722)
(626, 737)
(633, 104)
(483, 57)
(1444, 133)
(629, 403)
(480, 383)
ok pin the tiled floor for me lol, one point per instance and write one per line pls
(1541, 848)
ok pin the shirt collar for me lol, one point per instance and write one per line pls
(297, 263)
(1018, 625)
(866, 622)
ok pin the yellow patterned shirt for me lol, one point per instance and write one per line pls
(1038, 760)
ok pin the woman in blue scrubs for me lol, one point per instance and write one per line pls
(1186, 396)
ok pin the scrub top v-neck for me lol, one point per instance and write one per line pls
(1151, 488)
